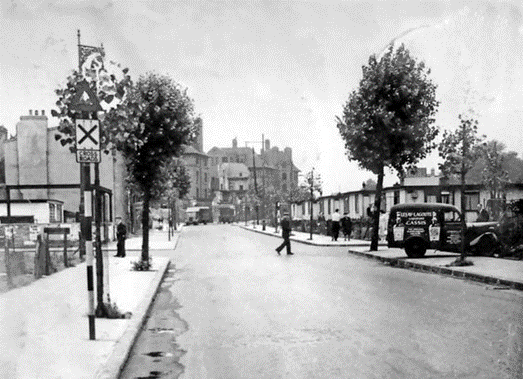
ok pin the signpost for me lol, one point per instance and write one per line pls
(86, 104)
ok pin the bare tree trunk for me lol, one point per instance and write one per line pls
(376, 215)
(101, 310)
(145, 227)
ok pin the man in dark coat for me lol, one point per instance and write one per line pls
(346, 224)
(285, 233)
(121, 234)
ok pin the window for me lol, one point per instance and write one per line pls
(445, 197)
(224, 160)
(59, 212)
(241, 187)
(205, 177)
(52, 212)
(303, 208)
(241, 174)
(396, 197)
(329, 206)
(284, 176)
(451, 216)
(471, 201)
(356, 204)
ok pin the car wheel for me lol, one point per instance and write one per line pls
(415, 248)
(486, 247)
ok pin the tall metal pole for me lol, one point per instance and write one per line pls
(81, 208)
(87, 235)
(312, 198)
(255, 187)
(85, 210)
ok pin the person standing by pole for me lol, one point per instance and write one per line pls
(121, 234)
(336, 224)
(286, 234)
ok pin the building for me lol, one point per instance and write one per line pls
(417, 187)
(272, 171)
(33, 157)
(198, 167)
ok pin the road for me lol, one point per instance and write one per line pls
(231, 308)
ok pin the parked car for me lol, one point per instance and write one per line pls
(418, 227)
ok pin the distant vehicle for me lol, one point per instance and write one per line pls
(418, 227)
(226, 213)
(198, 215)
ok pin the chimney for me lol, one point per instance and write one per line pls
(30, 112)
(235, 143)
(267, 144)
(36, 112)
(43, 112)
(432, 172)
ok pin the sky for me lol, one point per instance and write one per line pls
(281, 69)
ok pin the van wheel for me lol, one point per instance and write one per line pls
(415, 248)
(486, 247)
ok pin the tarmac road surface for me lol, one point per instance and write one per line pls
(231, 308)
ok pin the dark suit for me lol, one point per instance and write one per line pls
(121, 234)
(285, 233)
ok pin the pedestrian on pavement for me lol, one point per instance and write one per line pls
(121, 234)
(336, 224)
(346, 225)
(285, 233)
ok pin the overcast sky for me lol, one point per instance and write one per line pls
(279, 68)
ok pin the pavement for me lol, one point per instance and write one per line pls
(501, 273)
(44, 326)
(44, 329)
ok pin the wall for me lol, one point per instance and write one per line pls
(39, 210)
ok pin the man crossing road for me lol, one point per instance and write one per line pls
(285, 233)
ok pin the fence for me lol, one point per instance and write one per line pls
(30, 251)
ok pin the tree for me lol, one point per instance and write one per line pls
(151, 127)
(388, 120)
(313, 184)
(176, 183)
(460, 150)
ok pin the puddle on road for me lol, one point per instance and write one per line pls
(159, 354)
(161, 329)
(152, 375)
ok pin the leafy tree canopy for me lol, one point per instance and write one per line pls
(151, 126)
(496, 162)
(460, 149)
(388, 121)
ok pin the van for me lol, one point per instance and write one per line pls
(418, 227)
(198, 215)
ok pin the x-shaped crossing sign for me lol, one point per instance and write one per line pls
(87, 134)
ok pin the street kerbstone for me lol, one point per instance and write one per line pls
(116, 361)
